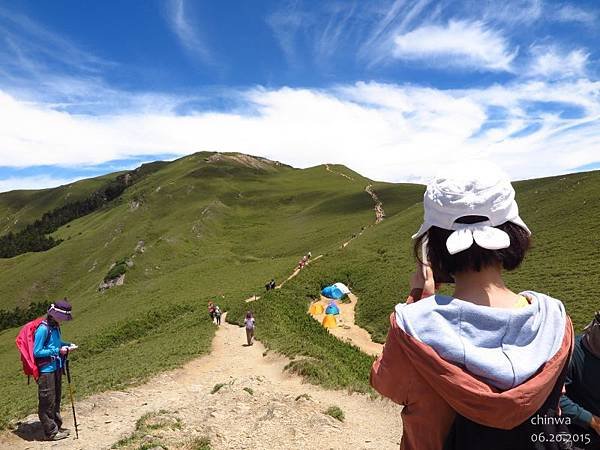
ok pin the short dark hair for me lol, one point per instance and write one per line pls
(474, 258)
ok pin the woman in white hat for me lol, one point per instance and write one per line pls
(484, 357)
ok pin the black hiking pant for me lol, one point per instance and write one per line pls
(49, 394)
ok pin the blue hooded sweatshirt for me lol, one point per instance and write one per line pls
(45, 347)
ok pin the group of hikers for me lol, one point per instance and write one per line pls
(304, 260)
(483, 368)
(214, 312)
(269, 286)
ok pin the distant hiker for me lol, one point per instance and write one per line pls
(211, 311)
(309, 255)
(483, 368)
(250, 324)
(581, 402)
(270, 285)
(50, 352)
(217, 315)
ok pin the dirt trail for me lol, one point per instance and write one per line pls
(279, 286)
(338, 173)
(297, 271)
(259, 405)
(267, 415)
(379, 212)
(347, 330)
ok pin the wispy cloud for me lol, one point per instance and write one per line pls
(551, 62)
(510, 12)
(572, 13)
(389, 23)
(32, 48)
(318, 34)
(187, 31)
(286, 24)
(331, 36)
(470, 45)
(33, 56)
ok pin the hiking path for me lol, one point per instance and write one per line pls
(259, 406)
(238, 397)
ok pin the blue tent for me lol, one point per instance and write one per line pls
(332, 308)
(336, 291)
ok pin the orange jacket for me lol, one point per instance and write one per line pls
(431, 389)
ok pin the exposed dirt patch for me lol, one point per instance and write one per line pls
(281, 413)
(347, 330)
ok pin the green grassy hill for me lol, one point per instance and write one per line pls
(217, 226)
(18, 208)
(204, 227)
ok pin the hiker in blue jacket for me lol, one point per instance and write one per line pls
(581, 402)
(49, 352)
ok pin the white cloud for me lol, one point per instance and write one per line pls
(509, 12)
(386, 131)
(572, 13)
(551, 62)
(459, 44)
(187, 32)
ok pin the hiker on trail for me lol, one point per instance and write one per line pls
(211, 311)
(581, 402)
(270, 285)
(482, 368)
(250, 324)
(217, 315)
(309, 255)
(50, 352)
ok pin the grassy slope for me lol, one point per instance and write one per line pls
(19, 208)
(212, 230)
(224, 232)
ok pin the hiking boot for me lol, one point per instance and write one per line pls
(59, 436)
(65, 430)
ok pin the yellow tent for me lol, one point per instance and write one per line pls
(329, 321)
(316, 309)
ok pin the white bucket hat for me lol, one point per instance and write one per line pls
(476, 189)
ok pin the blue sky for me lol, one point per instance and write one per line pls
(393, 89)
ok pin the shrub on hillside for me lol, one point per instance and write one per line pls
(19, 316)
(117, 270)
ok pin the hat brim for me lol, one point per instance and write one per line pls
(60, 316)
(422, 230)
(518, 221)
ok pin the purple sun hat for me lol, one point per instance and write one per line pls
(60, 310)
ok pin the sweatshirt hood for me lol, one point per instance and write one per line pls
(503, 347)
(477, 342)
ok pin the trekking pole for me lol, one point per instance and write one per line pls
(71, 395)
